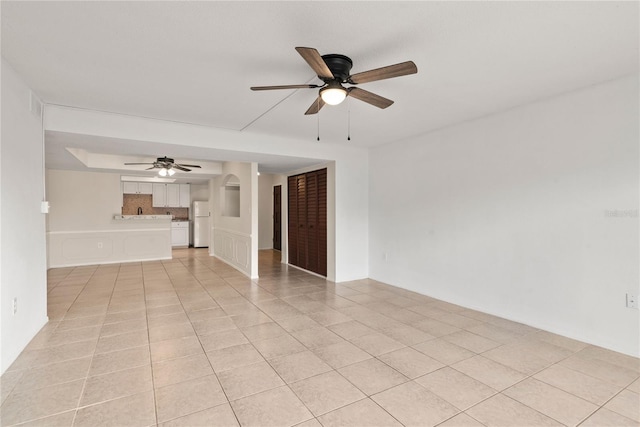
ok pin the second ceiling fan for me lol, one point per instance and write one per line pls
(334, 70)
(166, 166)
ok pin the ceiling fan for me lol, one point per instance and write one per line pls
(334, 69)
(166, 165)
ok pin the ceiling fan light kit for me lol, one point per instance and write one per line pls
(165, 172)
(333, 93)
(334, 70)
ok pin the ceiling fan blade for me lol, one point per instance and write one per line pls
(316, 62)
(284, 87)
(152, 167)
(181, 168)
(188, 166)
(315, 107)
(369, 98)
(139, 163)
(397, 70)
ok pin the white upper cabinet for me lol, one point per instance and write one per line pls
(159, 199)
(145, 188)
(136, 188)
(185, 195)
(171, 195)
(130, 187)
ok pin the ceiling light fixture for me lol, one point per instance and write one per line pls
(333, 93)
(166, 171)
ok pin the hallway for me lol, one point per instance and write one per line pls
(193, 342)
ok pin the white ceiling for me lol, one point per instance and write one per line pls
(194, 62)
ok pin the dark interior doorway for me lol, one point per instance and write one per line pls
(277, 217)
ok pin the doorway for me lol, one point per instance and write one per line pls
(277, 217)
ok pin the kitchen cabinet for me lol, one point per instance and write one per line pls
(185, 195)
(159, 198)
(171, 195)
(137, 188)
(180, 233)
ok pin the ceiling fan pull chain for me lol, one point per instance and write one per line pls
(318, 101)
(349, 120)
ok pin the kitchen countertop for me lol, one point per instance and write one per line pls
(141, 217)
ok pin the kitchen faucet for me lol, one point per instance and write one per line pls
(139, 210)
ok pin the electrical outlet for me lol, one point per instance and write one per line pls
(15, 306)
(385, 256)
(632, 300)
(99, 245)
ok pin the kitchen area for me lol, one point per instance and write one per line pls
(102, 218)
(152, 201)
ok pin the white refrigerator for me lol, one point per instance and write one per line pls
(200, 224)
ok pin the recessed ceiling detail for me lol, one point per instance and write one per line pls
(73, 151)
(131, 163)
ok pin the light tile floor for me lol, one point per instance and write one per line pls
(192, 342)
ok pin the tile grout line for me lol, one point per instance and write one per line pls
(603, 405)
(285, 384)
(376, 357)
(265, 360)
(203, 351)
(366, 396)
(146, 316)
(277, 289)
(73, 358)
(107, 373)
(86, 379)
(531, 376)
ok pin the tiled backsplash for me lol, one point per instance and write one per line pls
(131, 203)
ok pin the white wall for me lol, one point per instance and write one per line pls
(199, 192)
(350, 165)
(82, 200)
(22, 247)
(509, 214)
(81, 229)
(235, 239)
(265, 211)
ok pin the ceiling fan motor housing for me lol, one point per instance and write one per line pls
(339, 65)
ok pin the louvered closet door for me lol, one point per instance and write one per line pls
(308, 221)
(322, 222)
(293, 220)
(301, 195)
(312, 221)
